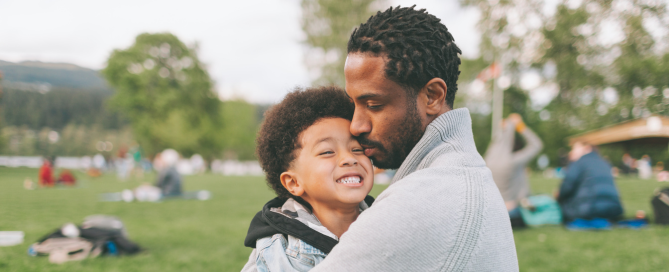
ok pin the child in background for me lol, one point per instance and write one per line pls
(321, 177)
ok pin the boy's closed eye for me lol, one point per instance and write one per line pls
(329, 152)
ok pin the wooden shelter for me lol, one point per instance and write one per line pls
(653, 130)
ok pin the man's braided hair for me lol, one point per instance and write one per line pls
(418, 48)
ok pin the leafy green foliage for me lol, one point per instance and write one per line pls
(166, 93)
(58, 108)
(240, 125)
(73, 140)
(328, 25)
(595, 79)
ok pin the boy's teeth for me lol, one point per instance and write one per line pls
(353, 179)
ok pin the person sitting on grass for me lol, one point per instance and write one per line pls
(588, 190)
(320, 174)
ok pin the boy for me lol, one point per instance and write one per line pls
(320, 175)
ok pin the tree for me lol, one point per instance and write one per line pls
(328, 25)
(596, 61)
(166, 93)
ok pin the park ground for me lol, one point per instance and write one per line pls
(191, 235)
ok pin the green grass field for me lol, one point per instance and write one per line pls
(190, 235)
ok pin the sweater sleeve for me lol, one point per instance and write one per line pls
(532, 147)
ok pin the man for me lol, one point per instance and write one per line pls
(588, 190)
(442, 211)
(507, 162)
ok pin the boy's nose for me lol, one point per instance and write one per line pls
(349, 161)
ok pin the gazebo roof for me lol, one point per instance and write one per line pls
(653, 129)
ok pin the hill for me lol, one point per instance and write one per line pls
(42, 76)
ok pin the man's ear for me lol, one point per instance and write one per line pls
(435, 90)
(289, 181)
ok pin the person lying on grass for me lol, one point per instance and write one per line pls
(320, 174)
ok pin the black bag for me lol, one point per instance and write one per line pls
(99, 237)
(660, 203)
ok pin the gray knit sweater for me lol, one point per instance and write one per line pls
(442, 212)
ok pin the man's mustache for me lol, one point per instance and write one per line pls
(365, 142)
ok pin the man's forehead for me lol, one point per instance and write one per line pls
(360, 65)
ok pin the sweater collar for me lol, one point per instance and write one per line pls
(452, 126)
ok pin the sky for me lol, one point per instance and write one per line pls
(253, 49)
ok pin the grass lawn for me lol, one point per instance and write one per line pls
(190, 235)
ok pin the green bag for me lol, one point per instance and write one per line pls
(546, 211)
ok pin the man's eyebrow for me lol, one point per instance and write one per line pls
(368, 95)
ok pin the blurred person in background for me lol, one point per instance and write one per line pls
(169, 180)
(588, 190)
(508, 162)
(628, 164)
(659, 168)
(66, 178)
(137, 169)
(45, 175)
(644, 167)
(123, 163)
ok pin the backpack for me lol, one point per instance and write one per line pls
(660, 203)
(98, 235)
(65, 249)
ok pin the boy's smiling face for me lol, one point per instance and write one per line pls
(330, 167)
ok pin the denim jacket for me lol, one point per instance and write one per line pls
(276, 253)
(286, 236)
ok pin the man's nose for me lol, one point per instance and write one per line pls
(360, 124)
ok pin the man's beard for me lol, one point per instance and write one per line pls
(400, 143)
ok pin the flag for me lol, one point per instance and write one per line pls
(490, 72)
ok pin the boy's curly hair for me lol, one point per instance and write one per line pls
(278, 138)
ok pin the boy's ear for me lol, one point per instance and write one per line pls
(289, 181)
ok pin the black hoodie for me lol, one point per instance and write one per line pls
(267, 223)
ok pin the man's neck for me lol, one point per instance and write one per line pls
(336, 220)
(431, 118)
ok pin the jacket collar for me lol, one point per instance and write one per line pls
(453, 126)
(289, 217)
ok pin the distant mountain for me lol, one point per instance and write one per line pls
(42, 76)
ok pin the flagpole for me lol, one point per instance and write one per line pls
(497, 108)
